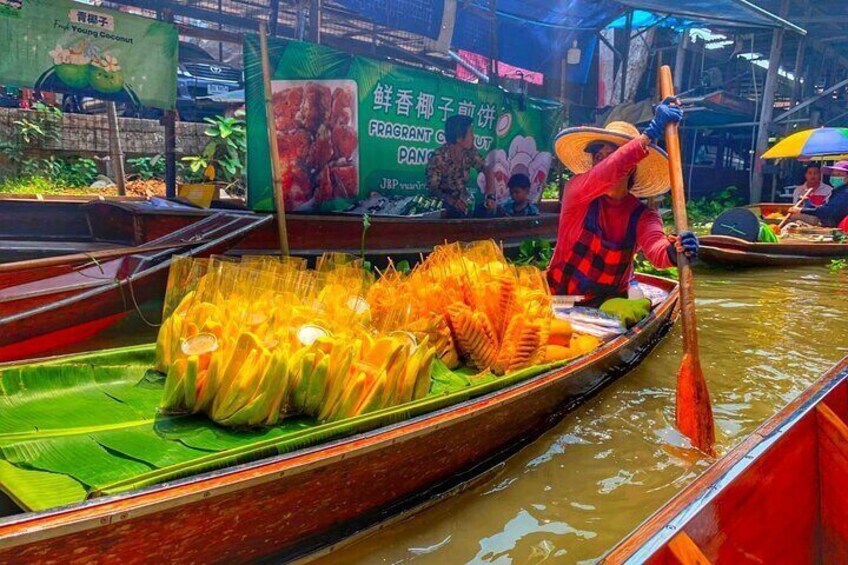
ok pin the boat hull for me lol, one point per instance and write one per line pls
(778, 497)
(99, 224)
(733, 252)
(293, 505)
(50, 308)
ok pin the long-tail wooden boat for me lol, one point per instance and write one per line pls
(730, 251)
(726, 251)
(290, 505)
(63, 304)
(778, 497)
(103, 224)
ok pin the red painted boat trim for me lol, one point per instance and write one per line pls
(68, 337)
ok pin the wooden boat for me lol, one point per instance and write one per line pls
(778, 497)
(730, 251)
(63, 304)
(104, 224)
(287, 506)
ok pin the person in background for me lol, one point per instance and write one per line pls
(812, 179)
(834, 213)
(518, 204)
(602, 222)
(447, 170)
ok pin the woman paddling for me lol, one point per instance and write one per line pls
(602, 221)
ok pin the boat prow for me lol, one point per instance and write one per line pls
(778, 497)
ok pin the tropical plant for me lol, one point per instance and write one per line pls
(33, 130)
(837, 265)
(73, 173)
(535, 252)
(226, 150)
(147, 167)
(642, 265)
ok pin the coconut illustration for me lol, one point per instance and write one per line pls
(105, 75)
(71, 66)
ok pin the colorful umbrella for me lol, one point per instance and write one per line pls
(811, 143)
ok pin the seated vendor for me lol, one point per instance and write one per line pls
(812, 179)
(834, 213)
(518, 204)
(447, 170)
(602, 222)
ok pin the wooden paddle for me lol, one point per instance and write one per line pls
(796, 207)
(276, 167)
(693, 413)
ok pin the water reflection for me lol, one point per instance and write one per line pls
(570, 496)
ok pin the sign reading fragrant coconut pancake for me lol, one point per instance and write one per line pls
(62, 46)
(349, 127)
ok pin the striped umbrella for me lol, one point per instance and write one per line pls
(811, 144)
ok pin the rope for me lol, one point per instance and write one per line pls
(137, 307)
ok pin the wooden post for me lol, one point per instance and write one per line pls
(625, 52)
(276, 167)
(767, 109)
(116, 153)
(680, 60)
(169, 120)
(315, 21)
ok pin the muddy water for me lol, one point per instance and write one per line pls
(574, 493)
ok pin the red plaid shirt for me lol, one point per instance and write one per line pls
(614, 215)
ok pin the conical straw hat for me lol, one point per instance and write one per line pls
(652, 176)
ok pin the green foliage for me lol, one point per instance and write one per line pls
(33, 130)
(73, 173)
(837, 265)
(30, 185)
(147, 167)
(839, 236)
(535, 252)
(705, 210)
(642, 265)
(550, 191)
(226, 150)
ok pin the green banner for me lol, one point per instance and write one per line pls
(62, 46)
(348, 127)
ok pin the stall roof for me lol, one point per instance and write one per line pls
(530, 33)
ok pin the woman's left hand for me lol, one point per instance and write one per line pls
(685, 242)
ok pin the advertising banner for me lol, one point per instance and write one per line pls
(63, 46)
(349, 126)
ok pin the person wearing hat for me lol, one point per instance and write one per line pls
(602, 222)
(834, 213)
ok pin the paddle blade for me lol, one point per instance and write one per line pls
(693, 412)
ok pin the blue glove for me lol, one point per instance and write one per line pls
(686, 242)
(666, 112)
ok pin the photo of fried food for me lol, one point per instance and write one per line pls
(317, 140)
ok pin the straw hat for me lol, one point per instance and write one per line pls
(652, 177)
(840, 168)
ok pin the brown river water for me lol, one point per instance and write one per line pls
(579, 489)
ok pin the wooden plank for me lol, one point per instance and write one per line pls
(687, 551)
(837, 400)
(833, 473)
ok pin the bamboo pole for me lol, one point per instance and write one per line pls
(276, 167)
(116, 152)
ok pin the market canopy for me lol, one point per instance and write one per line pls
(531, 32)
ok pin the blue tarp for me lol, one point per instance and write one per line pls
(534, 34)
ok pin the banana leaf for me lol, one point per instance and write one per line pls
(88, 425)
